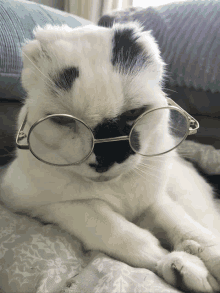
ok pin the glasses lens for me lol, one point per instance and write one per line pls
(61, 140)
(159, 131)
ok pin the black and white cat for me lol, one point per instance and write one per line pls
(116, 200)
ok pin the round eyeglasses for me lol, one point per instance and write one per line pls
(64, 140)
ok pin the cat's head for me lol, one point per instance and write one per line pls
(99, 75)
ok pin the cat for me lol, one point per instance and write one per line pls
(151, 212)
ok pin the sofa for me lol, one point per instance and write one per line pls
(43, 258)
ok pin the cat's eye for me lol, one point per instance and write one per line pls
(61, 120)
(134, 113)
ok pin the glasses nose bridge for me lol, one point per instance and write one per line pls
(111, 139)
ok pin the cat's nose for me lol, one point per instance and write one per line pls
(99, 169)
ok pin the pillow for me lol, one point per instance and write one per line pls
(18, 19)
(188, 36)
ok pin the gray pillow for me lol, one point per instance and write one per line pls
(188, 35)
(17, 21)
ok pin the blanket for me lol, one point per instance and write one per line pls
(42, 258)
(206, 157)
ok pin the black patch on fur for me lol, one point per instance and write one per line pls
(127, 54)
(64, 79)
(112, 152)
(133, 114)
(106, 21)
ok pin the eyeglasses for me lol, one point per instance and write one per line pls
(63, 140)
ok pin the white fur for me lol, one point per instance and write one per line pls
(164, 195)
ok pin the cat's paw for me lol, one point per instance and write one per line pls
(190, 246)
(209, 253)
(71, 286)
(186, 272)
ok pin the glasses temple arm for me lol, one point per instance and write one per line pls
(21, 135)
(194, 124)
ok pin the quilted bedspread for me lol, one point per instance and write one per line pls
(43, 258)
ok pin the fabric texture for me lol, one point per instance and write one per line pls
(17, 21)
(188, 35)
(206, 157)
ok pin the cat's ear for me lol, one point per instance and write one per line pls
(50, 33)
(32, 52)
(136, 50)
(43, 36)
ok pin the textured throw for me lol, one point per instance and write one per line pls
(206, 157)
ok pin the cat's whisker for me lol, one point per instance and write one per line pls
(168, 155)
(133, 178)
(140, 173)
(187, 156)
(161, 160)
(148, 164)
(170, 90)
(41, 77)
(149, 173)
(143, 175)
(150, 167)
(144, 171)
(155, 159)
(173, 127)
(12, 153)
(137, 172)
(48, 81)
(37, 67)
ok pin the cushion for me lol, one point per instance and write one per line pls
(188, 35)
(17, 21)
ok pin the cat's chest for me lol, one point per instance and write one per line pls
(128, 196)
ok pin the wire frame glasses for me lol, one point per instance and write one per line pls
(64, 140)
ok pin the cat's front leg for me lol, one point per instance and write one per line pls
(185, 234)
(99, 227)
